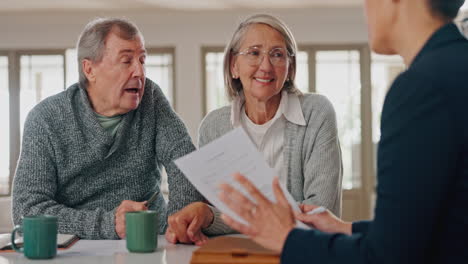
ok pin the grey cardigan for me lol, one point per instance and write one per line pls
(311, 153)
(72, 168)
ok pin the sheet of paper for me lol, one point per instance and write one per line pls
(216, 162)
(5, 239)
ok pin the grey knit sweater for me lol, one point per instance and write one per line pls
(312, 155)
(72, 168)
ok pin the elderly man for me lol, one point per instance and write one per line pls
(94, 151)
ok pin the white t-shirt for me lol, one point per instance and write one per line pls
(269, 137)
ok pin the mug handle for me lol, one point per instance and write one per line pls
(13, 235)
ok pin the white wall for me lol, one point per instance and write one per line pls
(6, 224)
(187, 32)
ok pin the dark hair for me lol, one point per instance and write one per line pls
(445, 9)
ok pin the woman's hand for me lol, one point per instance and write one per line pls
(269, 223)
(325, 221)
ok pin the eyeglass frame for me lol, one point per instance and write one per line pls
(263, 52)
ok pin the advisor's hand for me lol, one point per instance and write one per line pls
(269, 223)
(325, 221)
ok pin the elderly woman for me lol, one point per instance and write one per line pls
(296, 133)
(422, 192)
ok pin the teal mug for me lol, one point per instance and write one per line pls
(141, 229)
(39, 237)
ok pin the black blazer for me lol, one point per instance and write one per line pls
(421, 214)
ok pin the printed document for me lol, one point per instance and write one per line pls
(216, 162)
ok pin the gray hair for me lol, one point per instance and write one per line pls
(234, 86)
(92, 41)
(464, 26)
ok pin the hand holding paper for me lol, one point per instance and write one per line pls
(269, 223)
(216, 162)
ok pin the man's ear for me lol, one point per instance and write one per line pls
(88, 70)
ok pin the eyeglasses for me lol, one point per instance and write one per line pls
(278, 56)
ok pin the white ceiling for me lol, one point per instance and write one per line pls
(188, 5)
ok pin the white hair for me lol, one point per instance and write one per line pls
(234, 86)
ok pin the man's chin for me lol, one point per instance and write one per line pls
(130, 106)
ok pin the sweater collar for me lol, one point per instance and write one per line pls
(90, 121)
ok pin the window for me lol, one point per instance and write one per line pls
(345, 94)
(302, 71)
(160, 69)
(213, 80)
(384, 71)
(26, 78)
(342, 73)
(159, 66)
(5, 131)
(41, 77)
(71, 58)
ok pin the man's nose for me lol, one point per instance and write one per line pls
(138, 69)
